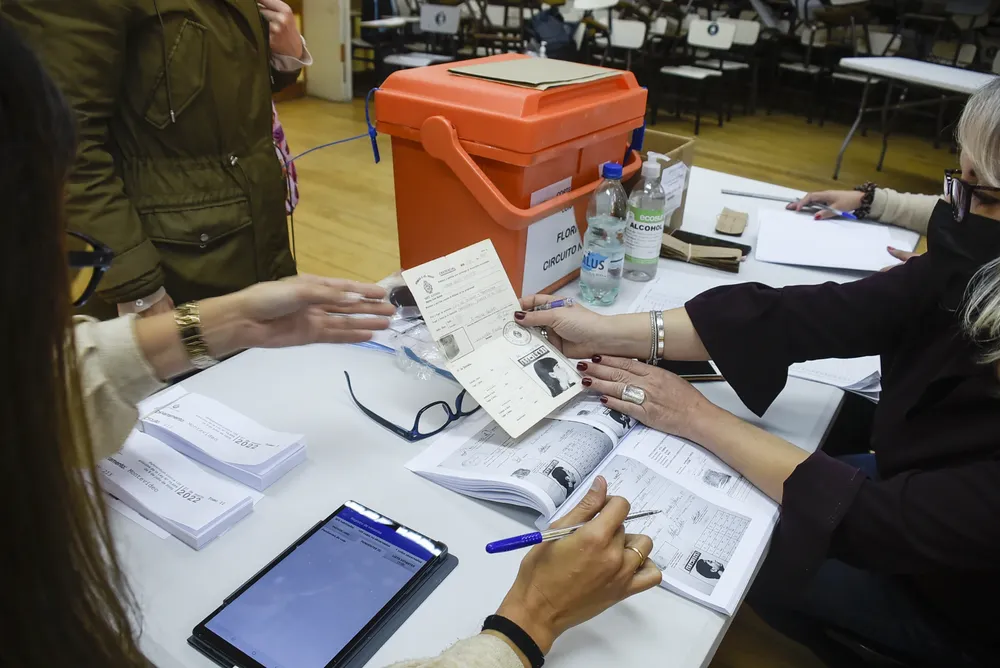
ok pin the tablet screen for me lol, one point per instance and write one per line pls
(312, 603)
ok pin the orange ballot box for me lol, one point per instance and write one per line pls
(506, 148)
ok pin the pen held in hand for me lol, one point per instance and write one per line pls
(536, 537)
(559, 303)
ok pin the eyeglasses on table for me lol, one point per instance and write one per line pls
(433, 418)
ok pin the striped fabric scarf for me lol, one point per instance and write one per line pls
(284, 155)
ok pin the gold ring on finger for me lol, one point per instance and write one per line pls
(642, 558)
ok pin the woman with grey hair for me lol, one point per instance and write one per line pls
(898, 550)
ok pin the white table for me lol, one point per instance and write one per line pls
(905, 72)
(350, 457)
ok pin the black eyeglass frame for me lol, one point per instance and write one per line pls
(961, 196)
(98, 259)
(413, 435)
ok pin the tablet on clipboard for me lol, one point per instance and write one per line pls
(331, 599)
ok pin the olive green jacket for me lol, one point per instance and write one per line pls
(181, 181)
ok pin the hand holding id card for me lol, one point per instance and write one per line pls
(468, 305)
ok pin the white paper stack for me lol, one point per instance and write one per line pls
(786, 237)
(861, 375)
(173, 492)
(229, 442)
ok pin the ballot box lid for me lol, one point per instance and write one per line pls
(511, 103)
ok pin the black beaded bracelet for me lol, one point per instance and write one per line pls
(516, 635)
(868, 188)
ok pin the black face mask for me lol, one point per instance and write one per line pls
(975, 240)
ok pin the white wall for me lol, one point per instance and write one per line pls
(328, 33)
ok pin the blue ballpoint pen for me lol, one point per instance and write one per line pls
(846, 215)
(559, 303)
(536, 537)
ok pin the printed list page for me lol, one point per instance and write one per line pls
(468, 305)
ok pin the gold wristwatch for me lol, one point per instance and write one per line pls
(188, 319)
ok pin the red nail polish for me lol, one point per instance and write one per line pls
(587, 382)
(519, 315)
(596, 359)
(581, 366)
(604, 400)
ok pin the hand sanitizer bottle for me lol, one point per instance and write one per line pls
(644, 234)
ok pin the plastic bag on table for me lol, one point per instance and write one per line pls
(417, 353)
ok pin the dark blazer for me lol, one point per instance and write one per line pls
(934, 517)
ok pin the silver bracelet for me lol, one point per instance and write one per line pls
(652, 338)
(661, 336)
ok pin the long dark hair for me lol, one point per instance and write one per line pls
(545, 368)
(64, 596)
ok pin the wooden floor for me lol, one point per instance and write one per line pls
(345, 226)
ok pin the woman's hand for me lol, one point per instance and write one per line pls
(293, 312)
(900, 255)
(580, 333)
(672, 404)
(285, 37)
(566, 582)
(842, 200)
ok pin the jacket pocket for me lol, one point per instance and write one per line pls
(185, 66)
(205, 250)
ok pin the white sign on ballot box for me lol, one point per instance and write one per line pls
(554, 248)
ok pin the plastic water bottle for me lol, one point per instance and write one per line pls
(603, 245)
(644, 235)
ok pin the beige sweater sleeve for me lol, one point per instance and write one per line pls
(114, 377)
(482, 651)
(903, 209)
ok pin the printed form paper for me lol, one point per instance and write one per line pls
(219, 431)
(468, 305)
(847, 374)
(169, 484)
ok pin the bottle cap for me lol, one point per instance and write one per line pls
(612, 170)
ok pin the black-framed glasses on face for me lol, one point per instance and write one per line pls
(431, 419)
(960, 193)
(88, 260)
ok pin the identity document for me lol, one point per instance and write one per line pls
(468, 304)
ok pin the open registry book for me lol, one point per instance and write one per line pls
(714, 525)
